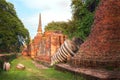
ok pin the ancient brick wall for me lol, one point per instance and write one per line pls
(36, 42)
(102, 48)
(45, 45)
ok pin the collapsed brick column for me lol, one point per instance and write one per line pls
(102, 48)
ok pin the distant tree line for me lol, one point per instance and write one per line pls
(10, 27)
(82, 19)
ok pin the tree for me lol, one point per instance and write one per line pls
(82, 19)
(10, 27)
(53, 26)
(83, 16)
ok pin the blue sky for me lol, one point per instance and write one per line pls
(51, 10)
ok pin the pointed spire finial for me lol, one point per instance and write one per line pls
(39, 25)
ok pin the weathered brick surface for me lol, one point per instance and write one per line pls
(49, 44)
(90, 74)
(44, 45)
(102, 48)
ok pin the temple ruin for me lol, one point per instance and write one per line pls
(44, 45)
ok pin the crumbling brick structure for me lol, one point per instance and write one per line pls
(49, 44)
(102, 48)
(44, 45)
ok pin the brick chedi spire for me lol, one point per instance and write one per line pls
(39, 31)
(38, 37)
(102, 48)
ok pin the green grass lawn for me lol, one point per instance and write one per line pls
(31, 72)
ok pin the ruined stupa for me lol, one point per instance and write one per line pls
(102, 48)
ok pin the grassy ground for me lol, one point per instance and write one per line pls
(33, 73)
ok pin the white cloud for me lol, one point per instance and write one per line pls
(46, 4)
(51, 10)
(31, 22)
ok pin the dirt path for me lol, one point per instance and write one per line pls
(39, 66)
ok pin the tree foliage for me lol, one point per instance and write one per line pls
(53, 26)
(82, 19)
(65, 27)
(10, 27)
(83, 16)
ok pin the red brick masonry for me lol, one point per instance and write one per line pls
(102, 48)
(95, 74)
